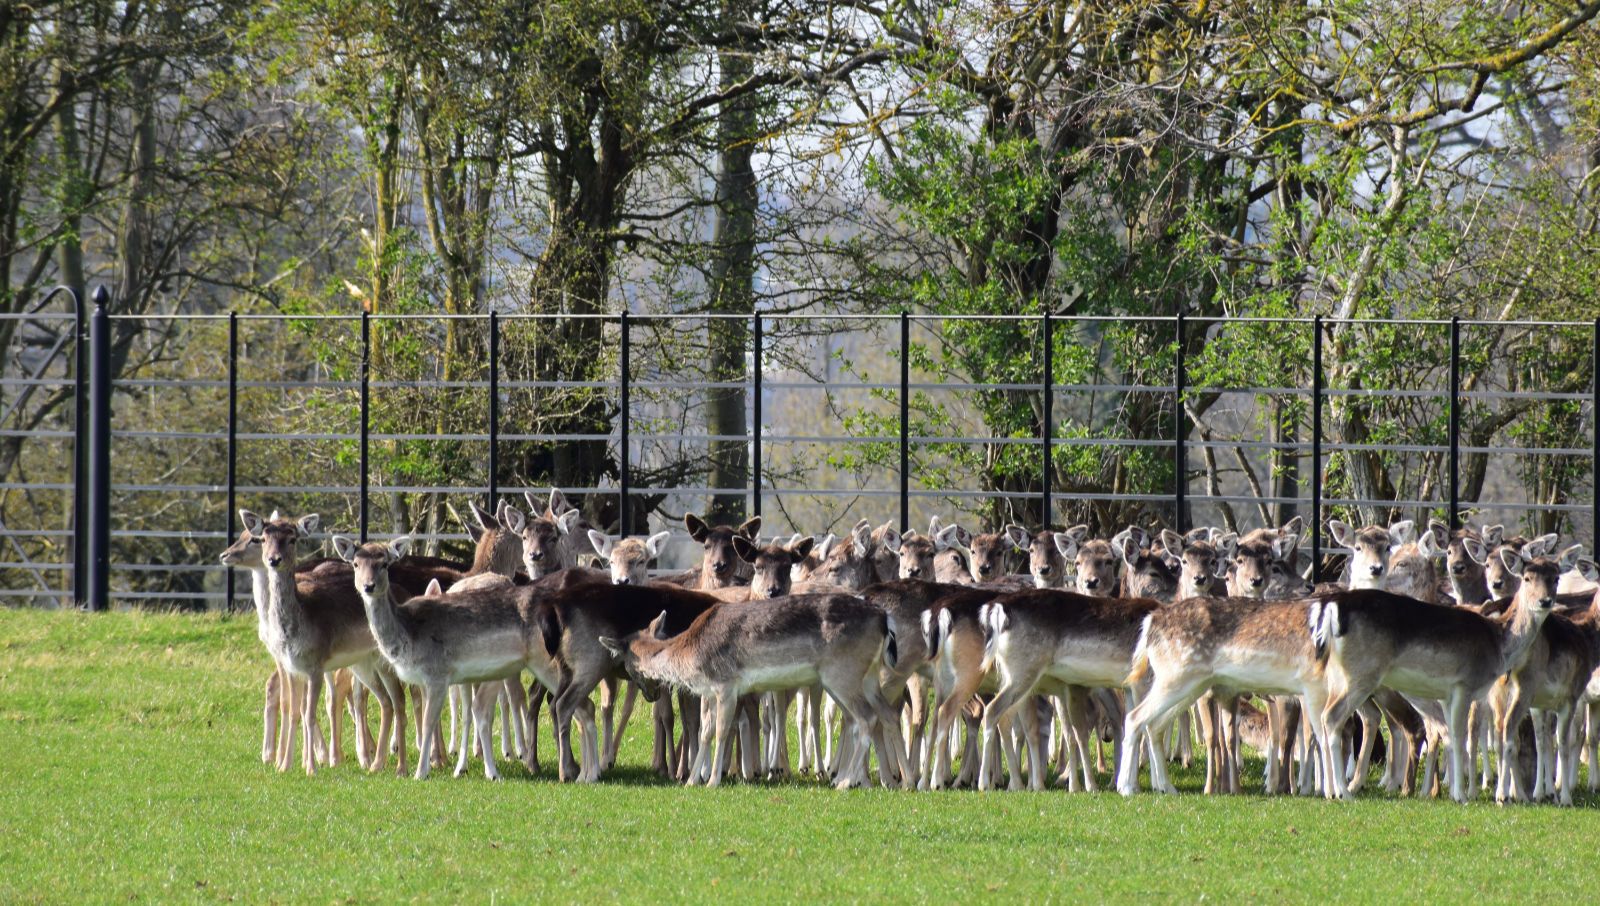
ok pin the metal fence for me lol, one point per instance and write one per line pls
(92, 492)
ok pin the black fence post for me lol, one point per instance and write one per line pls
(622, 417)
(1180, 451)
(1455, 423)
(1594, 456)
(100, 453)
(494, 409)
(1316, 449)
(1049, 415)
(755, 415)
(233, 443)
(905, 421)
(80, 458)
(366, 394)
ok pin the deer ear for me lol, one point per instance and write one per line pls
(558, 502)
(399, 547)
(473, 532)
(1140, 536)
(658, 627)
(1541, 546)
(861, 538)
(1513, 561)
(1402, 532)
(698, 530)
(1219, 567)
(1587, 569)
(345, 547)
(1295, 526)
(1129, 549)
(1017, 537)
(485, 518)
(602, 543)
(567, 521)
(307, 524)
(825, 546)
(1569, 558)
(274, 517)
(612, 645)
(1283, 547)
(746, 551)
(251, 523)
(963, 537)
(800, 551)
(749, 528)
(935, 525)
(534, 503)
(651, 544)
(1172, 542)
(1067, 544)
(892, 540)
(1428, 544)
(514, 520)
(1227, 545)
(1493, 535)
(1078, 533)
(1342, 535)
(434, 589)
(1475, 550)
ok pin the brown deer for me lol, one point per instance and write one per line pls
(737, 648)
(1375, 638)
(477, 637)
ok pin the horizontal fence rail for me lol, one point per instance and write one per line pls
(841, 415)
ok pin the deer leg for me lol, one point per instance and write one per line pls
(269, 719)
(465, 748)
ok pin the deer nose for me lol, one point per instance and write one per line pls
(536, 556)
(914, 571)
(1459, 568)
(1256, 581)
(774, 593)
(622, 580)
(1547, 601)
(274, 561)
(985, 569)
(1043, 570)
(1091, 583)
(369, 587)
(1375, 569)
(719, 566)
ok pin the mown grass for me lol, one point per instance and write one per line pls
(131, 772)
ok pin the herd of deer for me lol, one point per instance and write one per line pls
(1118, 643)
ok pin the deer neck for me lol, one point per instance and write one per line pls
(260, 596)
(1521, 629)
(283, 602)
(658, 661)
(387, 630)
(1472, 590)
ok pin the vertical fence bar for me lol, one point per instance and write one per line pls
(755, 415)
(80, 447)
(1455, 423)
(233, 442)
(622, 417)
(1594, 454)
(100, 453)
(1316, 448)
(366, 401)
(1049, 414)
(1180, 451)
(494, 409)
(905, 421)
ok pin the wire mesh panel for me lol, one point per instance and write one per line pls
(386, 424)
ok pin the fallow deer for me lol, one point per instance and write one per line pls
(1375, 638)
(735, 649)
(437, 640)
(315, 626)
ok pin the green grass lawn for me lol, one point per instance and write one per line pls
(131, 771)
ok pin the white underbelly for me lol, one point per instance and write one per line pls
(1260, 674)
(1418, 683)
(1085, 671)
(777, 676)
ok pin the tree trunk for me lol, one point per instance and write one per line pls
(732, 280)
